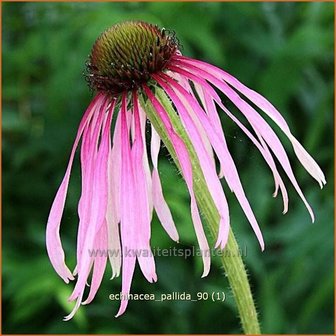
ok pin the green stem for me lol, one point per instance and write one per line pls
(230, 258)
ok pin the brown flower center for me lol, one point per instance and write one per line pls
(125, 55)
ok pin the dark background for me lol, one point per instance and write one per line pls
(284, 51)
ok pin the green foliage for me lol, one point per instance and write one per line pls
(284, 51)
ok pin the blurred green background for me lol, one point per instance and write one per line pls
(284, 51)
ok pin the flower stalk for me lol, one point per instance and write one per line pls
(230, 259)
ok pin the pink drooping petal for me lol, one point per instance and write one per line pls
(185, 84)
(186, 168)
(307, 161)
(98, 201)
(99, 265)
(143, 119)
(86, 172)
(304, 157)
(84, 264)
(231, 174)
(113, 204)
(209, 97)
(53, 241)
(155, 146)
(160, 205)
(127, 202)
(277, 178)
(210, 109)
(141, 211)
(263, 148)
(208, 168)
(261, 126)
(200, 86)
(180, 79)
(88, 153)
(75, 308)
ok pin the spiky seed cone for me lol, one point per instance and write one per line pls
(125, 55)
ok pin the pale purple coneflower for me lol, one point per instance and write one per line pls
(119, 191)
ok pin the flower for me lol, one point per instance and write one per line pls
(134, 65)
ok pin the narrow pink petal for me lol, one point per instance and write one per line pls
(230, 173)
(261, 146)
(113, 204)
(185, 84)
(307, 161)
(161, 206)
(209, 107)
(277, 178)
(209, 96)
(162, 209)
(88, 153)
(53, 241)
(87, 173)
(304, 157)
(208, 168)
(127, 202)
(155, 146)
(74, 310)
(183, 157)
(143, 119)
(142, 211)
(98, 202)
(262, 127)
(99, 264)
(201, 238)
